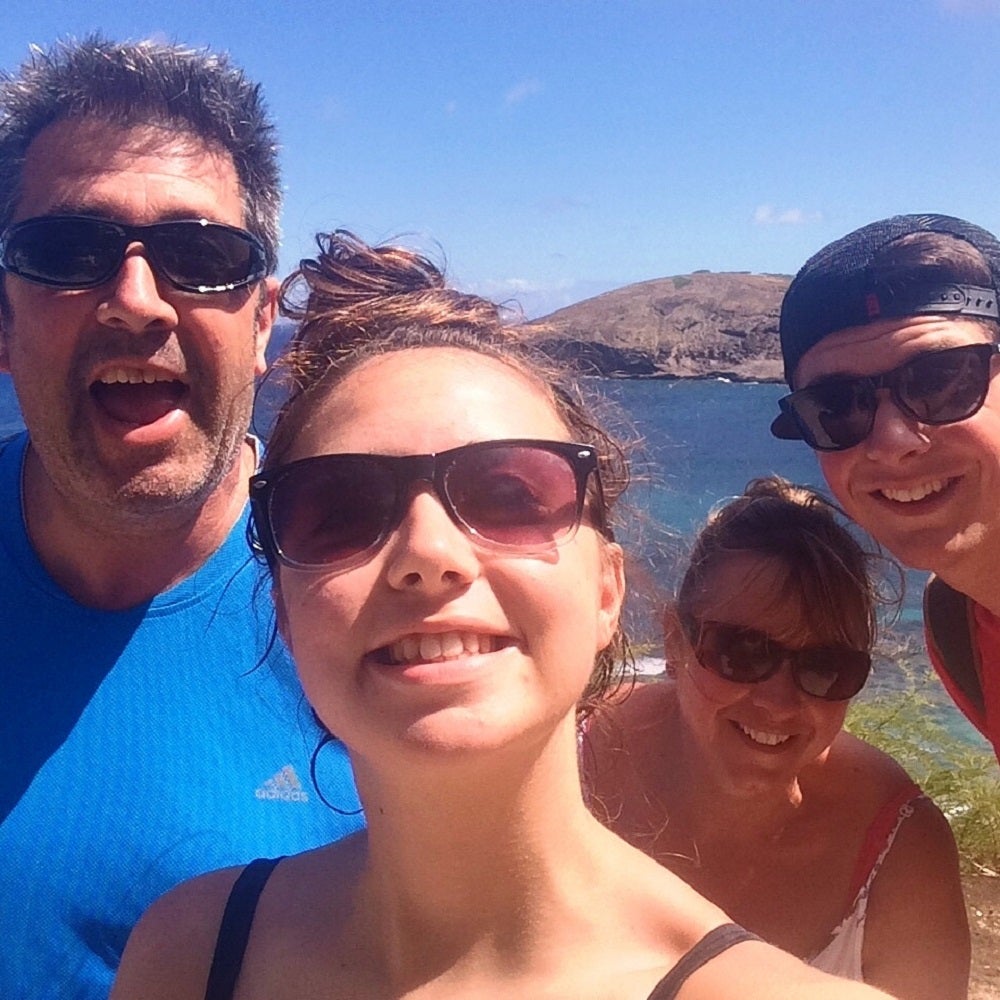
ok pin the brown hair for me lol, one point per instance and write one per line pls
(354, 302)
(198, 93)
(828, 571)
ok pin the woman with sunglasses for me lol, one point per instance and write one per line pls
(435, 512)
(736, 773)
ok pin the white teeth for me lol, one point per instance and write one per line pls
(132, 376)
(760, 736)
(439, 646)
(451, 645)
(431, 647)
(915, 492)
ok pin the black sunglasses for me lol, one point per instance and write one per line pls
(746, 656)
(937, 387)
(76, 251)
(332, 510)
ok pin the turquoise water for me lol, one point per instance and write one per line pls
(702, 441)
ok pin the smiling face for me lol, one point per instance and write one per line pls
(752, 737)
(928, 493)
(436, 642)
(137, 395)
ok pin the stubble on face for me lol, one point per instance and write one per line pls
(211, 346)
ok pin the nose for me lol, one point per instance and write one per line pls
(779, 693)
(428, 551)
(895, 435)
(132, 300)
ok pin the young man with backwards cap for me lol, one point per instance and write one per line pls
(889, 338)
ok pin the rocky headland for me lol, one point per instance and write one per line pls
(700, 325)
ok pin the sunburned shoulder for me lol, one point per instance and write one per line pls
(633, 711)
(861, 770)
(169, 951)
(757, 971)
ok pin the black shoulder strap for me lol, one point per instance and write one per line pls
(234, 931)
(713, 943)
(948, 617)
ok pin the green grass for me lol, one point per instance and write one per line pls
(957, 769)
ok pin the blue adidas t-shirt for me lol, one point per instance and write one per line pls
(139, 748)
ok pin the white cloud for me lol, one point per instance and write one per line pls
(521, 91)
(768, 215)
(531, 299)
(498, 288)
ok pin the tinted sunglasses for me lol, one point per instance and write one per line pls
(937, 387)
(746, 656)
(332, 510)
(76, 251)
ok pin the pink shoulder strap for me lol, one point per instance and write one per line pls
(882, 828)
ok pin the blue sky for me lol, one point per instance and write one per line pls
(551, 150)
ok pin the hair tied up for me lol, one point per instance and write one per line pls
(352, 293)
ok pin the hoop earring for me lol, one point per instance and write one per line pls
(325, 740)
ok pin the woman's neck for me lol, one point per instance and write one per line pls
(469, 861)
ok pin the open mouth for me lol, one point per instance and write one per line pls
(762, 736)
(438, 647)
(914, 494)
(137, 396)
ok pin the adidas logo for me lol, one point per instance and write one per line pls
(283, 787)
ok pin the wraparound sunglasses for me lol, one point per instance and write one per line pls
(77, 252)
(334, 510)
(936, 387)
(746, 656)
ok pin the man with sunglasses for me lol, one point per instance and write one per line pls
(889, 338)
(151, 729)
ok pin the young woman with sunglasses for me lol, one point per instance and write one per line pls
(435, 511)
(736, 773)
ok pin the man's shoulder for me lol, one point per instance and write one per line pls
(950, 631)
(950, 618)
(945, 607)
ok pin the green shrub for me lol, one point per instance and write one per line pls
(916, 725)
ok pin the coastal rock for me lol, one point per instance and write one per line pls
(699, 325)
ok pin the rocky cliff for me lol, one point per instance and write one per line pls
(698, 325)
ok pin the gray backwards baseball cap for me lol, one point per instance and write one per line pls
(835, 288)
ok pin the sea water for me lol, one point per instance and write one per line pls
(701, 442)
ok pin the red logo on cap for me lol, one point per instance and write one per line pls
(872, 305)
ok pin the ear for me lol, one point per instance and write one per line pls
(612, 593)
(264, 317)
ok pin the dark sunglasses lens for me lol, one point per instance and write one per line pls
(514, 495)
(205, 257)
(835, 415)
(329, 511)
(945, 386)
(834, 673)
(736, 654)
(69, 253)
